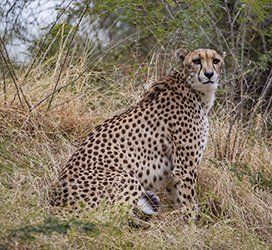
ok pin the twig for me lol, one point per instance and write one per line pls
(5, 87)
(265, 90)
(66, 55)
(168, 8)
(12, 73)
(42, 44)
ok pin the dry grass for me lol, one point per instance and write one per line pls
(234, 192)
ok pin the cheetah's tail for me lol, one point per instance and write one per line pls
(149, 203)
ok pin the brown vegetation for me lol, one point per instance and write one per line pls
(234, 186)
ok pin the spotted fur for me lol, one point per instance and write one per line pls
(153, 147)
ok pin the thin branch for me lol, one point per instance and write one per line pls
(168, 8)
(4, 54)
(44, 40)
(67, 52)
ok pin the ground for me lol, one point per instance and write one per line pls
(234, 180)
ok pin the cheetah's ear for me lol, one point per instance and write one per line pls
(223, 54)
(180, 54)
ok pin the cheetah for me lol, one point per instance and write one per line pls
(153, 147)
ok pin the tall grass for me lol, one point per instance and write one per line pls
(234, 180)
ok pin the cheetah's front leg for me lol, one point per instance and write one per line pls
(181, 192)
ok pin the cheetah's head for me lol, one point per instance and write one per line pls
(201, 68)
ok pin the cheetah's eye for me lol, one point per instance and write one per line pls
(216, 61)
(196, 61)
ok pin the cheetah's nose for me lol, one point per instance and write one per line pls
(209, 75)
